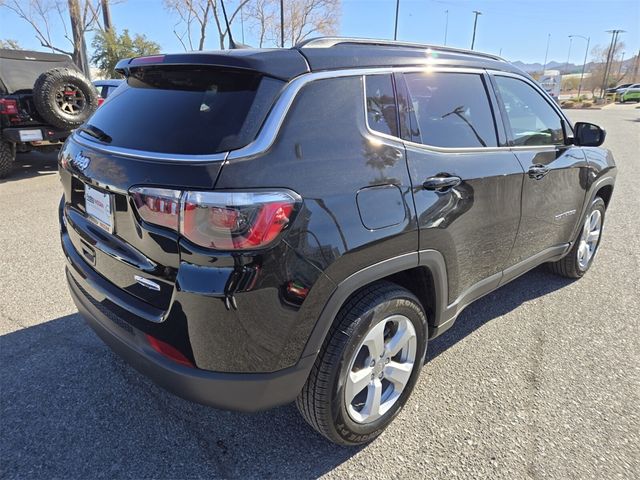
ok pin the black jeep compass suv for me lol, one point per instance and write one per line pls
(254, 227)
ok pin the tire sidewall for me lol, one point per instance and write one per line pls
(346, 428)
(45, 90)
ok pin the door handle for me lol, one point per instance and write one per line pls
(538, 171)
(441, 183)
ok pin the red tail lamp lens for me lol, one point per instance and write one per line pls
(218, 220)
(8, 106)
(235, 220)
(159, 206)
(169, 351)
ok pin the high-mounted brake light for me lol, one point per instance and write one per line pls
(218, 220)
(145, 60)
(8, 106)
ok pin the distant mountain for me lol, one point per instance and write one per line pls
(564, 68)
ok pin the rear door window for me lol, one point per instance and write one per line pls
(452, 110)
(185, 109)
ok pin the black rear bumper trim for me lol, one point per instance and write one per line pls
(247, 392)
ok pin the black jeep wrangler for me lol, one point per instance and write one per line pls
(306, 220)
(43, 97)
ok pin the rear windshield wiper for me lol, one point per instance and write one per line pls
(95, 132)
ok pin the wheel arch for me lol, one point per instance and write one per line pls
(422, 273)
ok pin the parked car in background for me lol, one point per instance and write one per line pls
(252, 228)
(629, 94)
(618, 88)
(106, 87)
(550, 81)
(43, 96)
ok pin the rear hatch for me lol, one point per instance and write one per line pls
(168, 128)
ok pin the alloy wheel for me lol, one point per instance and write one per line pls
(380, 369)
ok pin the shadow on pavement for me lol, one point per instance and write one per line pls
(534, 284)
(33, 164)
(70, 408)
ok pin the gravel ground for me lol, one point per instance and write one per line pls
(539, 379)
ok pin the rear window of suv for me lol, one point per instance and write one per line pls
(189, 110)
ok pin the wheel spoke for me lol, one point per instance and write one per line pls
(399, 340)
(375, 340)
(593, 236)
(371, 409)
(398, 373)
(356, 382)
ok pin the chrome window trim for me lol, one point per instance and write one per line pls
(276, 116)
(145, 155)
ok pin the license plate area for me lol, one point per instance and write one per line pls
(33, 135)
(99, 207)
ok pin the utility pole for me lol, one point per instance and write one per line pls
(546, 54)
(610, 58)
(446, 25)
(620, 67)
(282, 23)
(584, 64)
(106, 15)
(475, 24)
(395, 30)
(566, 65)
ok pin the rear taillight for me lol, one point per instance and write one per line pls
(100, 101)
(8, 106)
(159, 206)
(218, 220)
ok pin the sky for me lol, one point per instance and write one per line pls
(516, 29)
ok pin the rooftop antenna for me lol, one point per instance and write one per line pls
(232, 44)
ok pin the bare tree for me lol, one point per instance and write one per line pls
(194, 18)
(302, 18)
(82, 15)
(597, 70)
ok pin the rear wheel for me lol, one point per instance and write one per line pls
(576, 263)
(368, 365)
(7, 157)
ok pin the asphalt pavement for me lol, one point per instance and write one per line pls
(540, 379)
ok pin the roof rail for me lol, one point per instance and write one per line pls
(328, 42)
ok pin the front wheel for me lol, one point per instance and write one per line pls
(368, 365)
(576, 263)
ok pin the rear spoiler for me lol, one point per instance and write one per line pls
(278, 63)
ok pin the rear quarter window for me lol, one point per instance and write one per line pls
(186, 110)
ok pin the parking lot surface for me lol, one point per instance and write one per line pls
(540, 379)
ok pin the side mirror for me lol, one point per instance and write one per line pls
(588, 134)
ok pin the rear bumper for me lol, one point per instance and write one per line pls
(12, 134)
(232, 391)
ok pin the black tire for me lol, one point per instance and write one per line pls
(569, 266)
(7, 157)
(59, 108)
(322, 400)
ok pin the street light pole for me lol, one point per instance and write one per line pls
(566, 65)
(475, 24)
(395, 30)
(584, 64)
(610, 57)
(546, 54)
(282, 23)
(446, 25)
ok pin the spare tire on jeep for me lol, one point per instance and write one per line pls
(64, 98)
